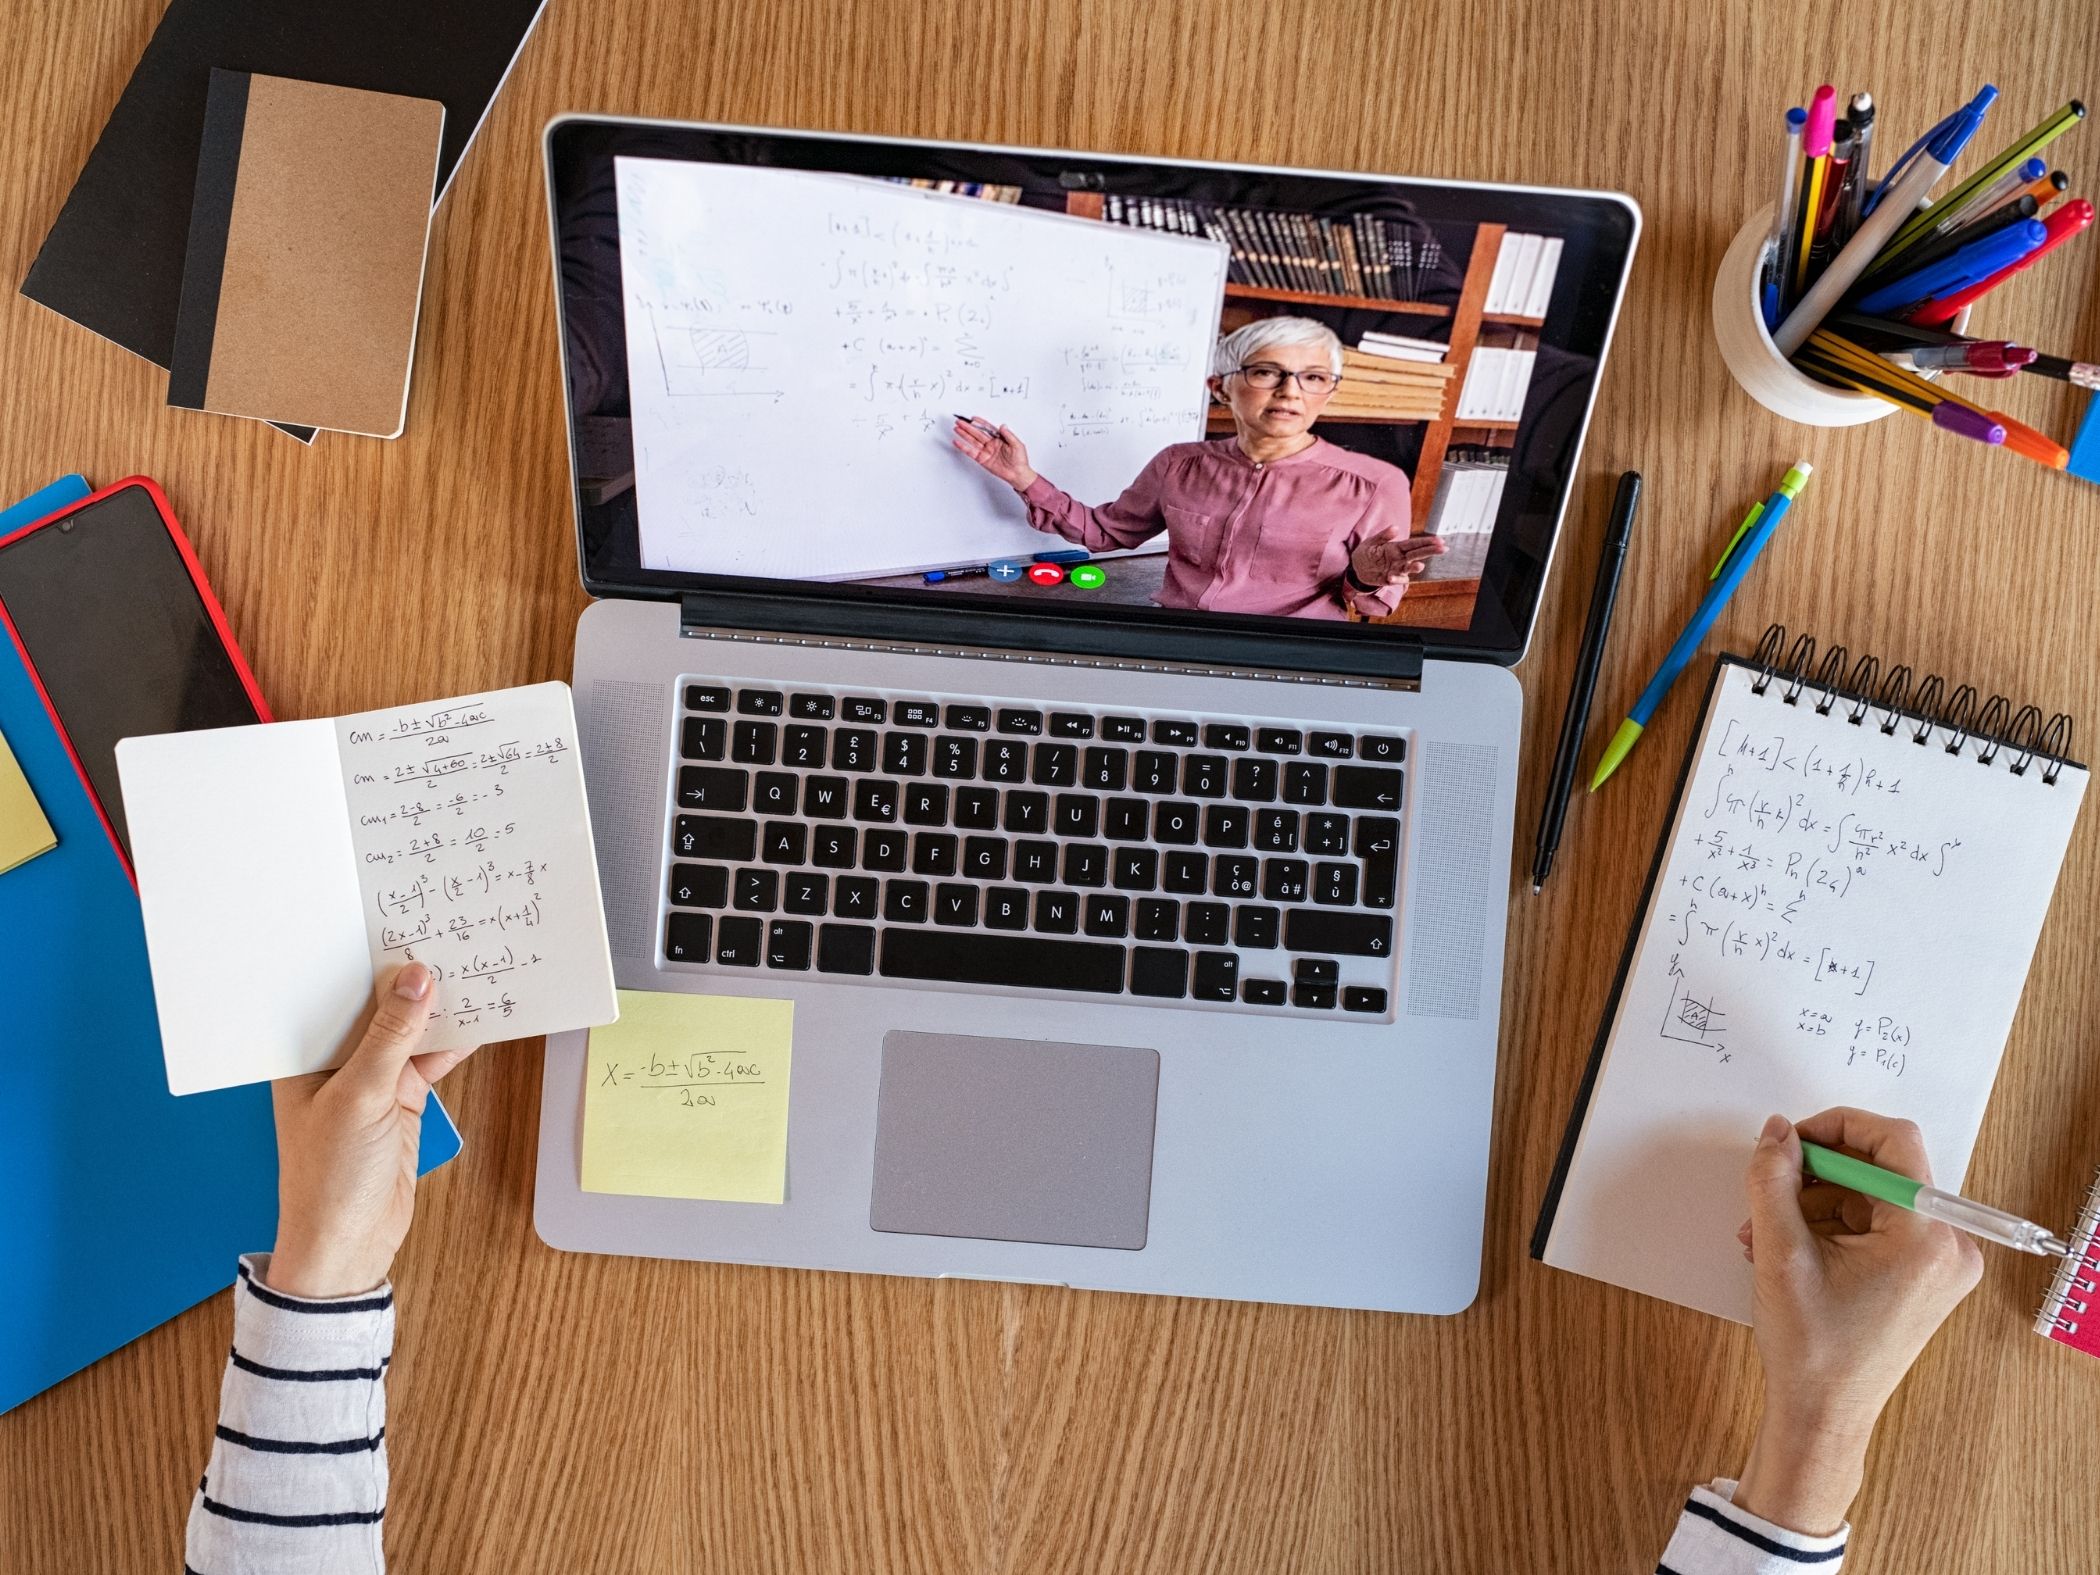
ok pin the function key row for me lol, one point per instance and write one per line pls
(1231, 737)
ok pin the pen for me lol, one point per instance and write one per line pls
(1861, 113)
(1071, 555)
(1970, 264)
(1772, 512)
(1618, 530)
(1990, 357)
(2018, 211)
(942, 576)
(2027, 146)
(972, 421)
(1988, 196)
(2059, 227)
(1924, 173)
(2045, 190)
(1783, 217)
(1949, 1208)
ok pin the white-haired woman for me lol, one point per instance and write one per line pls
(1270, 520)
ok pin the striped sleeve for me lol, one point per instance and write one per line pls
(297, 1480)
(1713, 1537)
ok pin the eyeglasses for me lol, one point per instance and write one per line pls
(1264, 375)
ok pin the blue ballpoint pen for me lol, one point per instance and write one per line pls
(1734, 565)
(1956, 271)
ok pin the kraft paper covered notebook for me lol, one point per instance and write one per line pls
(305, 264)
(1843, 912)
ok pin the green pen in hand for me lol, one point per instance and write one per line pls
(1978, 1219)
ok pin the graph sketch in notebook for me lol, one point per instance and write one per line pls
(1845, 916)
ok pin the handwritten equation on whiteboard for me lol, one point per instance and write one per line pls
(474, 854)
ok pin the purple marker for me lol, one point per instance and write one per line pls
(1968, 423)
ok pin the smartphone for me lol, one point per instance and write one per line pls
(121, 633)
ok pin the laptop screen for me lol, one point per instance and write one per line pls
(1078, 386)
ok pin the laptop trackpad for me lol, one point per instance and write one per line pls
(1014, 1140)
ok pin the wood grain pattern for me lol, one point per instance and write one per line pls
(566, 1413)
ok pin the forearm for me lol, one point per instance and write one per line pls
(1099, 530)
(297, 1479)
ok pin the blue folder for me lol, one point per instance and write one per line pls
(120, 1205)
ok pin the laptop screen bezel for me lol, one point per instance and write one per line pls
(1584, 310)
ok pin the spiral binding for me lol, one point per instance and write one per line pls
(2061, 1310)
(1924, 708)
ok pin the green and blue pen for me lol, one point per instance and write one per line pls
(1751, 538)
(1978, 1219)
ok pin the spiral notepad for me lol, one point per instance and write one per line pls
(1843, 912)
(2070, 1314)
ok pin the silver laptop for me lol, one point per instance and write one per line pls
(1132, 841)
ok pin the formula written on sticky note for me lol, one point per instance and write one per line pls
(686, 1096)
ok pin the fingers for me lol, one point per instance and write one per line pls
(1891, 1144)
(1773, 1184)
(396, 1029)
(437, 1063)
(1833, 1210)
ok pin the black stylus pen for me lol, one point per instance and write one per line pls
(1555, 809)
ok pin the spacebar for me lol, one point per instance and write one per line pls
(1029, 962)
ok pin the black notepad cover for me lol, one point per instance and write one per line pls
(113, 259)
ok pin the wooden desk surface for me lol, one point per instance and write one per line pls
(571, 1413)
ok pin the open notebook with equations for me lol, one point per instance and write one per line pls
(1831, 838)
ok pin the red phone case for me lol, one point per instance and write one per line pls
(212, 609)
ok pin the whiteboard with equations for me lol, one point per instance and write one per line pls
(798, 346)
(283, 868)
(1843, 916)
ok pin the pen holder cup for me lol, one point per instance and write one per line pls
(1754, 361)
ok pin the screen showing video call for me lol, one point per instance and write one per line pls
(1168, 388)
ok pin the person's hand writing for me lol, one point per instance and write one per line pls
(1848, 1290)
(1393, 560)
(997, 450)
(347, 1142)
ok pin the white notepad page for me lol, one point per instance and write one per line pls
(1843, 917)
(283, 868)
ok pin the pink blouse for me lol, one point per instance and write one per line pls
(1273, 538)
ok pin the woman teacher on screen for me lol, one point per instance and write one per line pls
(1270, 520)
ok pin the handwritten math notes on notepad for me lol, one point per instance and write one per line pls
(465, 820)
(1843, 916)
(284, 868)
(686, 1096)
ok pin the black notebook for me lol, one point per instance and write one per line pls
(113, 260)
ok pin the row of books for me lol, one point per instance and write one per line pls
(1496, 381)
(1522, 283)
(1389, 387)
(1468, 496)
(1388, 260)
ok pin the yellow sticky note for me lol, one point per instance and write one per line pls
(686, 1096)
(24, 832)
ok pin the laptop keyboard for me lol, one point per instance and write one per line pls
(1219, 861)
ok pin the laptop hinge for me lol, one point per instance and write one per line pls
(1058, 642)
